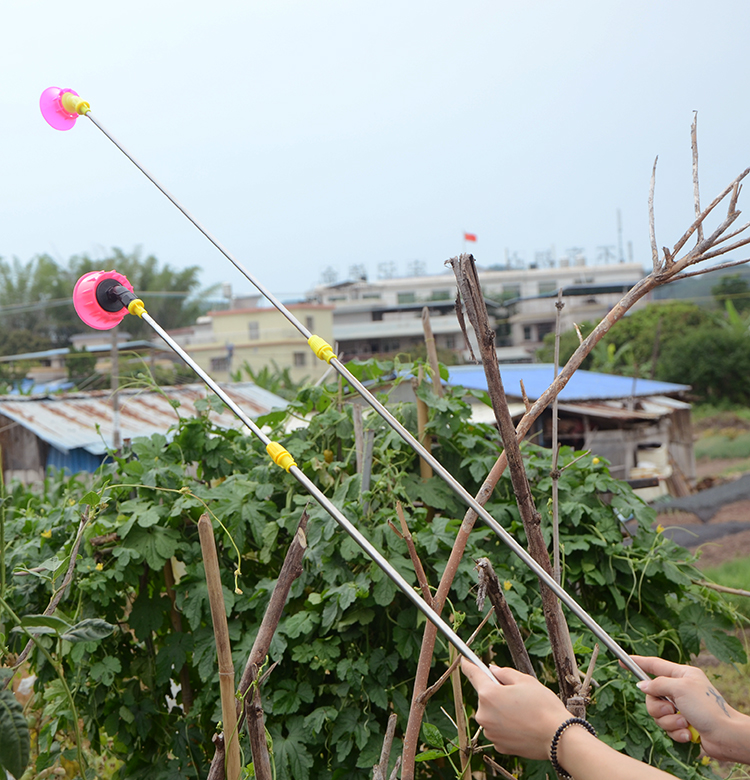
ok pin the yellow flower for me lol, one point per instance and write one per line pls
(660, 529)
(706, 760)
(99, 566)
(507, 585)
(46, 534)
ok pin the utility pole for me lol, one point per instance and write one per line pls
(114, 357)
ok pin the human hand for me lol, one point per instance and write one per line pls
(519, 716)
(700, 705)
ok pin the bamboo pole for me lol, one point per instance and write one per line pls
(223, 650)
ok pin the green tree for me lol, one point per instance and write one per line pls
(734, 288)
(36, 307)
(714, 361)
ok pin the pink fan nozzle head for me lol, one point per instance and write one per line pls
(95, 300)
(61, 107)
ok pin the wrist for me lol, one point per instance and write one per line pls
(571, 724)
(734, 742)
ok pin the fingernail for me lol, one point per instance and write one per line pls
(682, 724)
(642, 684)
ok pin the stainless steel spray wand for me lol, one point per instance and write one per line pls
(72, 106)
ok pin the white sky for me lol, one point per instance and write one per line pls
(309, 133)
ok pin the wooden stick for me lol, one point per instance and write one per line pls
(722, 588)
(555, 473)
(253, 710)
(432, 357)
(490, 585)
(494, 765)
(423, 417)
(415, 560)
(469, 288)
(380, 769)
(223, 649)
(438, 684)
(462, 728)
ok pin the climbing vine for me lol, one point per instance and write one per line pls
(347, 646)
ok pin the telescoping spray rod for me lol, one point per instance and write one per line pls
(61, 109)
(103, 298)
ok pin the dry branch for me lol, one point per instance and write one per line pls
(660, 275)
(380, 770)
(490, 585)
(470, 291)
(696, 187)
(415, 560)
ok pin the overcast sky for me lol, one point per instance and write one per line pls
(313, 133)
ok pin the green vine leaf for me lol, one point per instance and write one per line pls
(15, 743)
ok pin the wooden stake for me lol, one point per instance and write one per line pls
(223, 649)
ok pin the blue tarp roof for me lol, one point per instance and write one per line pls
(583, 385)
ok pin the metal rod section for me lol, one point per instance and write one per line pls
(260, 287)
(335, 513)
(450, 480)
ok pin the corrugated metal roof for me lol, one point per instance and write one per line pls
(70, 421)
(583, 385)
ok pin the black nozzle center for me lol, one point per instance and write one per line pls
(107, 297)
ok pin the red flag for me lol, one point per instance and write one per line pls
(470, 236)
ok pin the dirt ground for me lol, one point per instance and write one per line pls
(735, 545)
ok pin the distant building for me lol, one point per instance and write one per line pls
(382, 316)
(75, 431)
(48, 370)
(641, 426)
(222, 341)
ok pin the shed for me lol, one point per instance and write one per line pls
(639, 425)
(76, 430)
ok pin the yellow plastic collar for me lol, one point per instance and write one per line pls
(321, 348)
(280, 456)
(74, 104)
(137, 307)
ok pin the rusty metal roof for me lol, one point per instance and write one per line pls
(84, 420)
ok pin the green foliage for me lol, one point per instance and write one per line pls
(348, 643)
(15, 742)
(38, 311)
(715, 362)
(734, 289)
(272, 378)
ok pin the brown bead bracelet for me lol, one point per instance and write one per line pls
(553, 747)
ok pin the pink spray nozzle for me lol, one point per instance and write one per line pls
(92, 302)
(57, 114)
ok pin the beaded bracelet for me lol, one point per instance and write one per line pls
(560, 731)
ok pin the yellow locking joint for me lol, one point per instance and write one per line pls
(74, 104)
(280, 456)
(321, 348)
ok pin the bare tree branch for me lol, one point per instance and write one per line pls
(708, 270)
(651, 220)
(491, 586)
(415, 560)
(696, 187)
(381, 768)
(714, 203)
